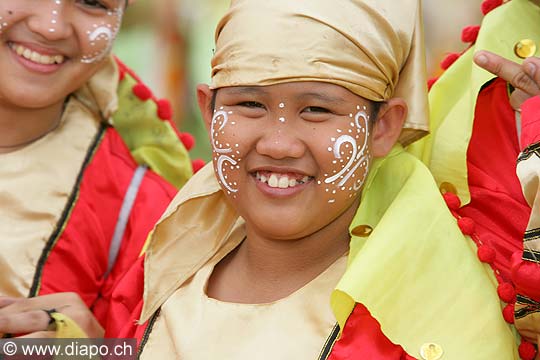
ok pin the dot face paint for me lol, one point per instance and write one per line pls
(226, 159)
(351, 155)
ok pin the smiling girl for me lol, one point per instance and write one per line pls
(69, 137)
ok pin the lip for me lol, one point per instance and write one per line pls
(35, 67)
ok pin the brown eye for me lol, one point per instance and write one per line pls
(316, 109)
(251, 104)
(94, 4)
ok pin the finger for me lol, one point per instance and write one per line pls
(5, 301)
(508, 70)
(517, 98)
(25, 322)
(57, 301)
(39, 335)
(532, 68)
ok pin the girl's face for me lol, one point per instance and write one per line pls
(291, 157)
(51, 47)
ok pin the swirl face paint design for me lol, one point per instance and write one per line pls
(351, 151)
(225, 158)
(103, 36)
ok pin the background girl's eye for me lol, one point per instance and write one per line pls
(93, 4)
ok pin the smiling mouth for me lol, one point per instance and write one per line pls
(282, 181)
(36, 57)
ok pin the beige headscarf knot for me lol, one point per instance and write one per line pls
(374, 48)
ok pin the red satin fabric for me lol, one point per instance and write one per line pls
(530, 122)
(362, 338)
(79, 259)
(497, 205)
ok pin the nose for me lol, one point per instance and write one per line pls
(53, 23)
(279, 142)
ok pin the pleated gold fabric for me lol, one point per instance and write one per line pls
(366, 46)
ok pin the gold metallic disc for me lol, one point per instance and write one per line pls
(525, 48)
(431, 351)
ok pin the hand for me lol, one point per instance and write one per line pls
(27, 316)
(525, 78)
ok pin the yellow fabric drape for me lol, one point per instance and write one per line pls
(452, 98)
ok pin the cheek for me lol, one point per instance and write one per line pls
(8, 13)
(227, 154)
(348, 159)
(98, 35)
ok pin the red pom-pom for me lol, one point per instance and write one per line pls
(197, 165)
(188, 140)
(431, 81)
(508, 313)
(452, 201)
(486, 254)
(489, 5)
(142, 92)
(470, 33)
(526, 276)
(506, 292)
(527, 351)
(466, 225)
(449, 60)
(164, 109)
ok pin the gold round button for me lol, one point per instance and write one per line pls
(525, 48)
(446, 187)
(362, 231)
(431, 351)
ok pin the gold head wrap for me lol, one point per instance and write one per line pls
(374, 48)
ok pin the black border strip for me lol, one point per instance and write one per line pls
(329, 344)
(147, 332)
(60, 226)
(529, 151)
(532, 234)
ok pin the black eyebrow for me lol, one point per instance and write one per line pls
(246, 90)
(322, 97)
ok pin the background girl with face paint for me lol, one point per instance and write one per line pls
(88, 156)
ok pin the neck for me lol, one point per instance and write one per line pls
(20, 127)
(266, 269)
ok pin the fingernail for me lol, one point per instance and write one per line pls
(481, 59)
(531, 69)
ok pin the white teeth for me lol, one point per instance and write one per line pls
(283, 182)
(273, 181)
(37, 57)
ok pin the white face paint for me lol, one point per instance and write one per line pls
(3, 24)
(351, 157)
(54, 15)
(226, 159)
(102, 35)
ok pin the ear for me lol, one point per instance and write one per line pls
(388, 126)
(204, 99)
